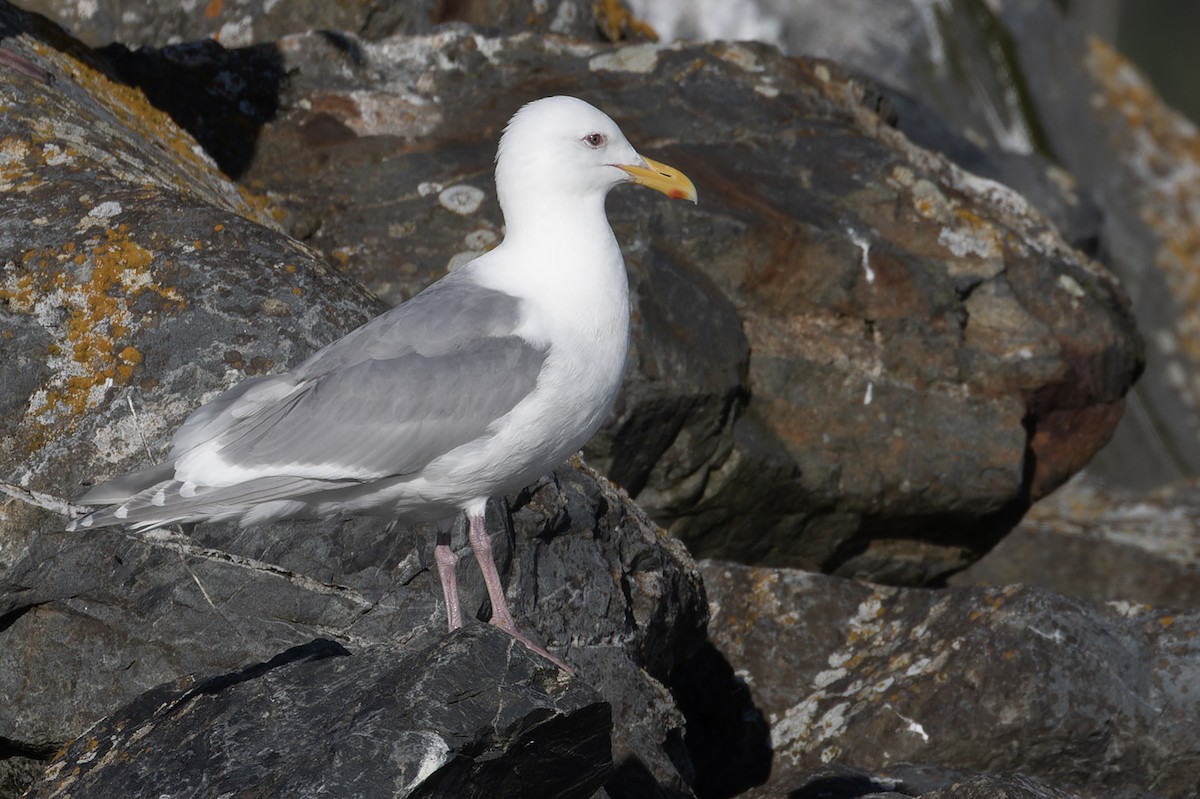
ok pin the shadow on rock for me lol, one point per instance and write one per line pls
(222, 97)
(728, 738)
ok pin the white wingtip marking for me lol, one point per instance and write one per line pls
(187, 490)
(160, 497)
(121, 512)
(85, 522)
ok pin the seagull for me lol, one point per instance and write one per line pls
(474, 388)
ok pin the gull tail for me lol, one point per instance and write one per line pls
(152, 498)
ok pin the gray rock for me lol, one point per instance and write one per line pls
(1089, 699)
(470, 715)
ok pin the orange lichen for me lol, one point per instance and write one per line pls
(89, 314)
(617, 22)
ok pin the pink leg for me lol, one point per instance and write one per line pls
(481, 543)
(446, 561)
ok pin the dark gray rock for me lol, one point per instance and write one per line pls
(987, 786)
(1089, 699)
(474, 714)
(906, 780)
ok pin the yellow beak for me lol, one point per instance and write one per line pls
(660, 177)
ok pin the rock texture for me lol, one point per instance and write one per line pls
(238, 23)
(959, 359)
(1094, 699)
(389, 722)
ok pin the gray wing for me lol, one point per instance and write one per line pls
(388, 417)
(423, 378)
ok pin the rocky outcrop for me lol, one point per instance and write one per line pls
(473, 715)
(852, 356)
(138, 282)
(1094, 699)
(239, 23)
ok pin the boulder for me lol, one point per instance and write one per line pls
(239, 23)
(471, 715)
(1024, 85)
(957, 357)
(1091, 699)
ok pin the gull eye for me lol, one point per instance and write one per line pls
(595, 140)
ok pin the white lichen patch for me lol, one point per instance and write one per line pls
(402, 114)
(133, 432)
(989, 192)
(1130, 610)
(481, 240)
(462, 199)
(461, 259)
(766, 90)
(13, 150)
(238, 33)
(870, 670)
(634, 58)
(54, 155)
(105, 210)
(428, 187)
(740, 56)
(978, 240)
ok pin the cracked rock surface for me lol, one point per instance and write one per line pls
(1093, 699)
(473, 715)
